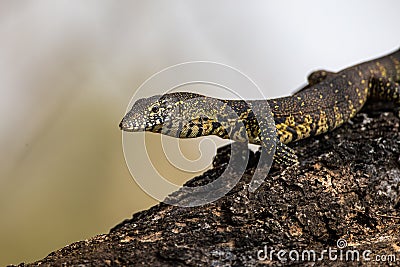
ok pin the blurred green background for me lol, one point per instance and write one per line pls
(69, 68)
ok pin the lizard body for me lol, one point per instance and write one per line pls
(329, 100)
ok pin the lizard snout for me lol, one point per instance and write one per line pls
(125, 125)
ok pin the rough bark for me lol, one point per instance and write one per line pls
(347, 187)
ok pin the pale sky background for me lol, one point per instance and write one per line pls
(69, 68)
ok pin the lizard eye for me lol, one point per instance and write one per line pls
(203, 118)
(154, 109)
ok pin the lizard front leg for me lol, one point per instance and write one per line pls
(284, 155)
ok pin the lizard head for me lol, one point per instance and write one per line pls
(174, 114)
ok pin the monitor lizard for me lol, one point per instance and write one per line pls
(325, 103)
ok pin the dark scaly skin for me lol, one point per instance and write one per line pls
(336, 98)
(329, 100)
